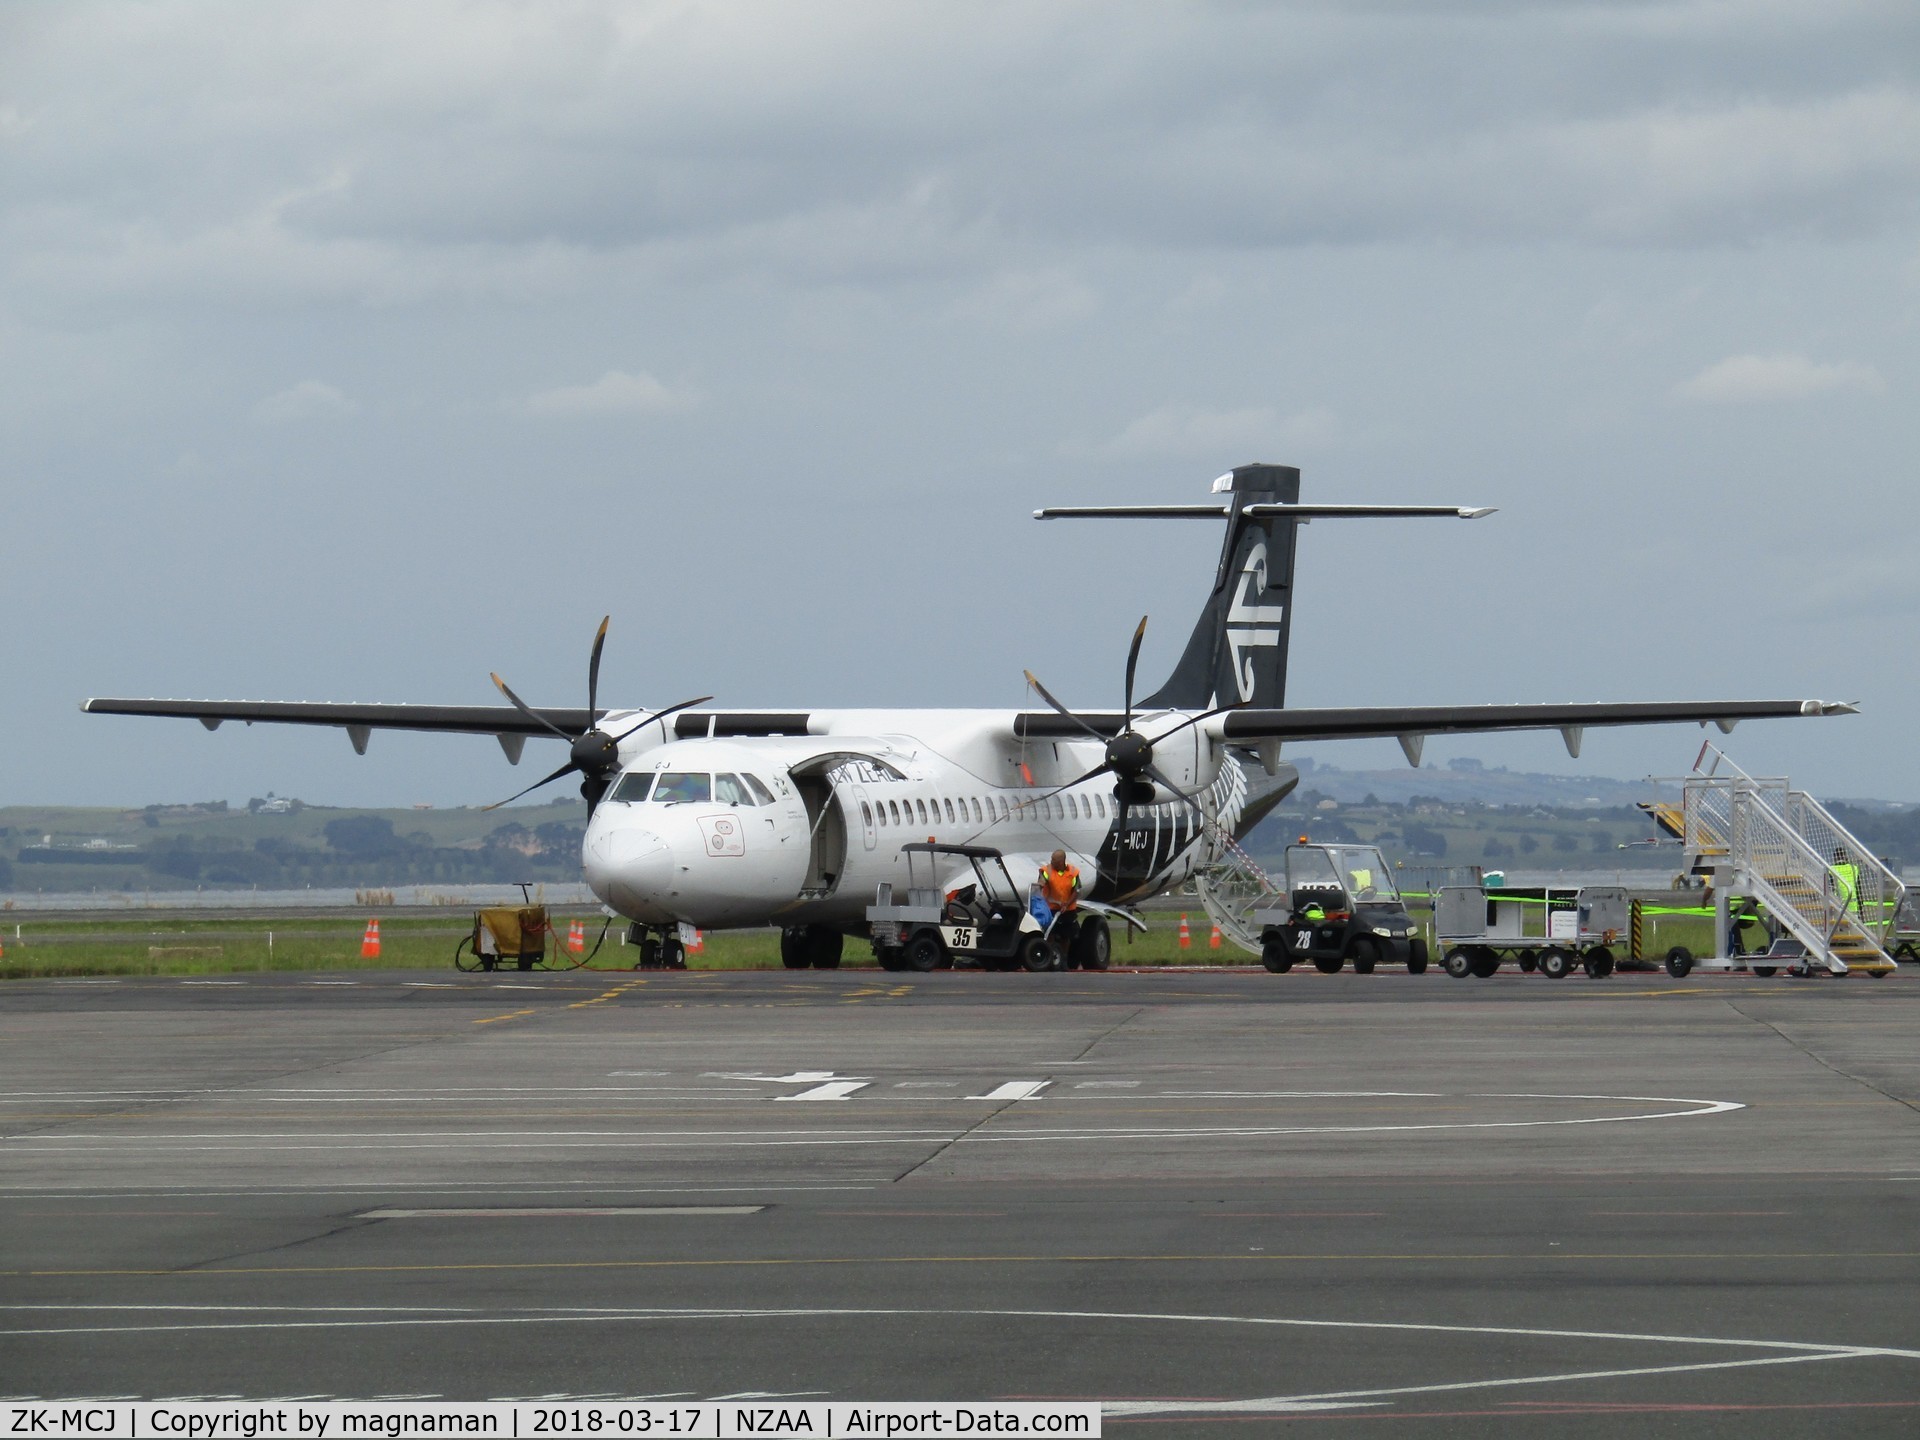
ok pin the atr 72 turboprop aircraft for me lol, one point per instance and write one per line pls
(732, 818)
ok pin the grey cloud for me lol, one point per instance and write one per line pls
(401, 154)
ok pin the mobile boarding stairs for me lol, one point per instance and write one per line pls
(1762, 839)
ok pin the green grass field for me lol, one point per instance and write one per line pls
(210, 945)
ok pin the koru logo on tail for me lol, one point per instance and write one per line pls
(1251, 625)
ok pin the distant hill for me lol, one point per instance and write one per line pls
(283, 844)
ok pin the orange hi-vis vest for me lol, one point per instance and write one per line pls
(1060, 888)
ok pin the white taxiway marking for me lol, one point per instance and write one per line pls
(1014, 1090)
(83, 1143)
(834, 1090)
(1778, 1352)
(543, 1212)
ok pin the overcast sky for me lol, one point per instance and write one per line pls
(351, 351)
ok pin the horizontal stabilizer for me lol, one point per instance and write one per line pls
(1274, 511)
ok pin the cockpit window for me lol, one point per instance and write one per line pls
(731, 790)
(678, 787)
(632, 788)
(760, 792)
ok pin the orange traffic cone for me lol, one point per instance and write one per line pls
(370, 942)
(1186, 935)
(577, 937)
(697, 944)
(1214, 942)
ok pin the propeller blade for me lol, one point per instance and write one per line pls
(566, 769)
(1034, 681)
(661, 715)
(528, 711)
(1101, 769)
(1203, 715)
(1161, 780)
(1133, 661)
(593, 674)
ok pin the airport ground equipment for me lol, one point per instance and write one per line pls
(1482, 929)
(1821, 888)
(1361, 918)
(518, 935)
(985, 918)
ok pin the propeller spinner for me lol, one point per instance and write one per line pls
(594, 755)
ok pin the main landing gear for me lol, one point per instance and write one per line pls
(810, 947)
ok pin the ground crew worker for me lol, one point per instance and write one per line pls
(1846, 879)
(1060, 888)
(1747, 916)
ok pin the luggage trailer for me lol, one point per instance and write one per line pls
(1594, 926)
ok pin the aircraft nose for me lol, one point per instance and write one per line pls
(628, 867)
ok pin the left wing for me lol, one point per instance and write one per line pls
(1411, 724)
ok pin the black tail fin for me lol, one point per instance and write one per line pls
(1238, 649)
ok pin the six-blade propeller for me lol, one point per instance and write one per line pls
(1129, 754)
(595, 754)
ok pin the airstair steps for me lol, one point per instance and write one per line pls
(1779, 845)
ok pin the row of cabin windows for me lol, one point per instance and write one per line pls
(681, 787)
(960, 812)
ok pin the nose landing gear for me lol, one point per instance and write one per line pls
(657, 952)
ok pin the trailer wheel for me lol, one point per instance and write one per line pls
(1037, 953)
(1485, 962)
(1327, 964)
(1416, 956)
(1679, 962)
(925, 952)
(1458, 963)
(1766, 972)
(890, 957)
(1274, 956)
(1364, 952)
(1527, 961)
(1555, 964)
(1599, 963)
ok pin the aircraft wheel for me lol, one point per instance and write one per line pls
(1458, 963)
(823, 947)
(1599, 963)
(1527, 961)
(1328, 964)
(793, 949)
(1555, 963)
(1485, 962)
(1416, 956)
(1679, 962)
(1093, 946)
(1274, 956)
(1037, 953)
(1766, 972)
(1364, 951)
(924, 952)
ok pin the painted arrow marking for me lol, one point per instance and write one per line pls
(836, 1090)
(1014, 1090)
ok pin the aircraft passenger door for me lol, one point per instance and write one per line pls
(865, 807)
